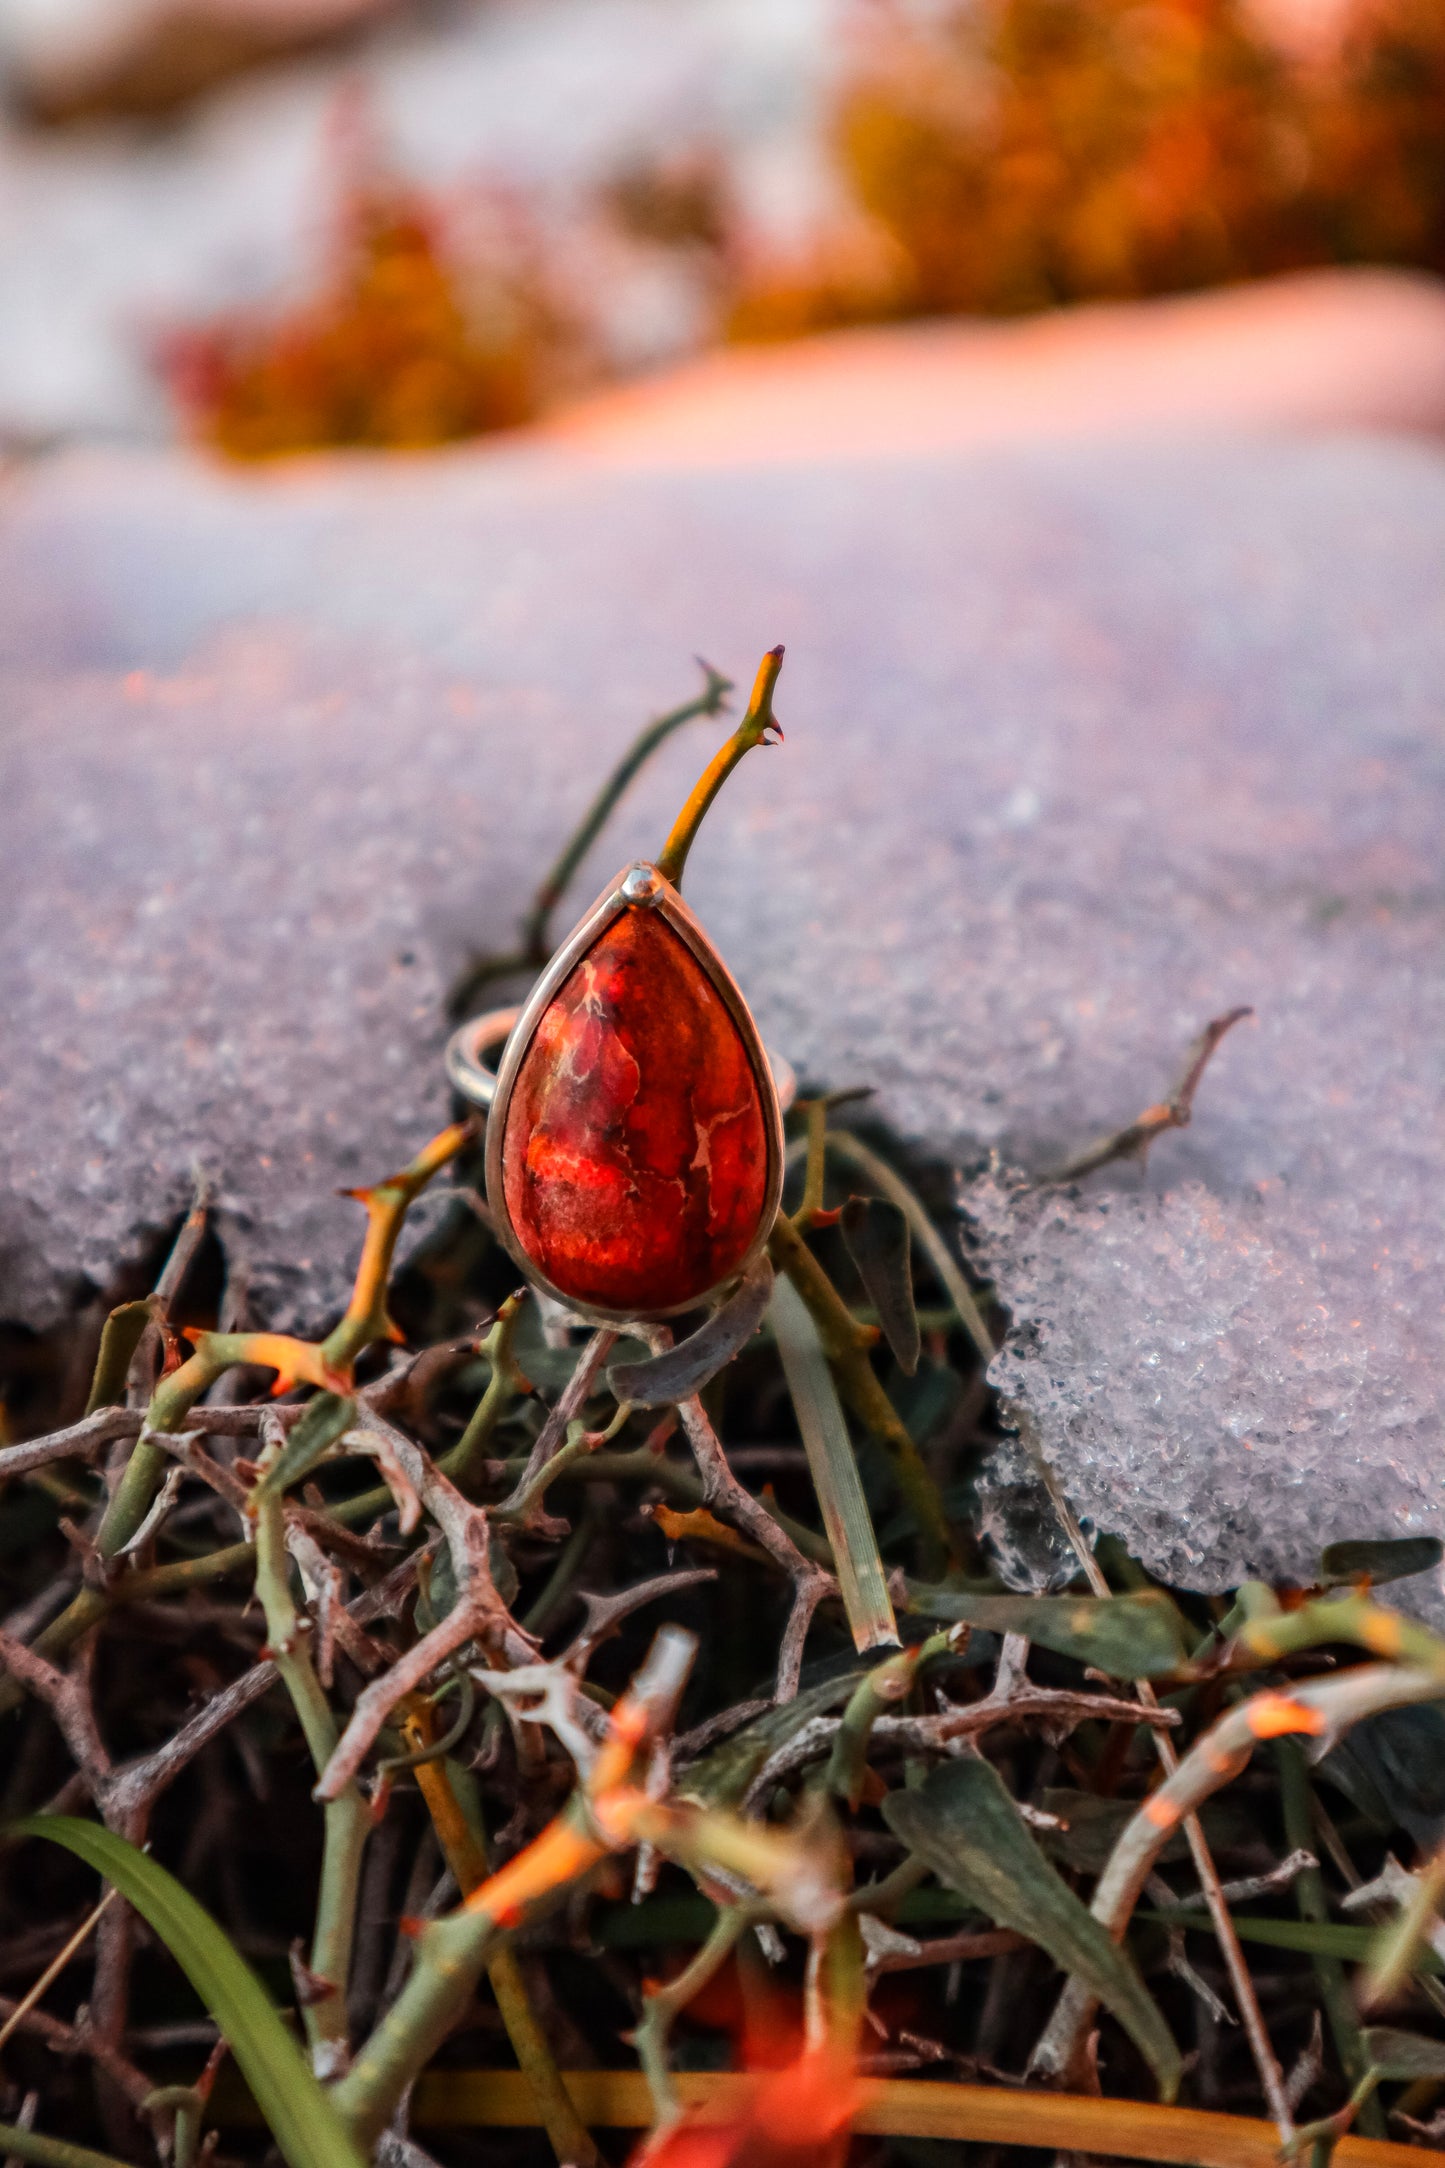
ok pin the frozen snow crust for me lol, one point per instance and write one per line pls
(1084, 746)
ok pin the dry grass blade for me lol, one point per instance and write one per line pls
(861, 1580)
(913, 2108)
(300, 2113)
(889, 1183)
(56, 1966)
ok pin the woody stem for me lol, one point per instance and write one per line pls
(751, 731)
(708, 702)
(461, 1845)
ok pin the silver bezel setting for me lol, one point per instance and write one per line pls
(639, 887)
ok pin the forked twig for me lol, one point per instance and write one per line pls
(573, 1398)
(535, 931)
(722, 1491)
(1175, 1112)
(478, 1614)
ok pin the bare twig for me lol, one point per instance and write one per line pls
(690, 1744)
(1066, 2051)
(136, 1786)
(159, 1513)
(1309, 2066)
(1318, 1708)
(1057, 1708)
(85, 1440)
(758, 721)
(710, 701)
(67, 1696)
(187, 1243)
(1175, 1112)
(468, 1456)
(186, 1449)
(56, 1966)
(574, 1397)
(606, 1613)
(1250, 1886)
(387, 1204)
(477, 1615)
(533, 951)
(963, 1948)
(81, 2039)
(723, 1492)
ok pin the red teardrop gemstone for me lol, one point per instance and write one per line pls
(634, 1160)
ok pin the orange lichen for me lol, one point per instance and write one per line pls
(1275, 1716)
(1383, 1632)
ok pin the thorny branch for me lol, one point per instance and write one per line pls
(435, 1672)
(1059, 2050)
(722, 1490)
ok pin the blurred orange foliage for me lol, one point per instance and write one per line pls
(1379, 137)
(1018, 153)
(400, 350)
(795, 2117)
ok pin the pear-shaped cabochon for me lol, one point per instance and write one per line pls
(635, 1153)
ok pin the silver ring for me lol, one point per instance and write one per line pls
(469, 1073)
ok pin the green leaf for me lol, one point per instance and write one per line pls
(324, 1421)
(962, 1823)
(34, 2146)
(660, 1381)
(876, 1232)
(1138, 1636)
(1093, 1825)
(120, 1336)
(1390, 1558)
(1318, 1938)
(1403, 2055)
(303, 2120)
(723, 1776)
(862, 1583)
(1392, 1767)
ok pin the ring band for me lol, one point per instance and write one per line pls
(468, 1071)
